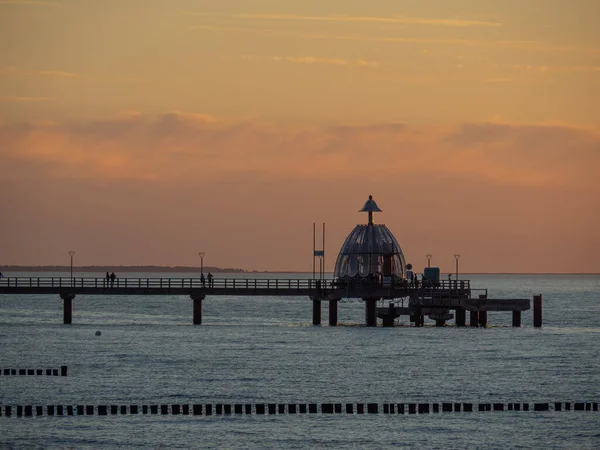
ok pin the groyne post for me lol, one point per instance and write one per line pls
(537, 310)
(67, 298)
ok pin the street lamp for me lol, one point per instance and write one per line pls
(457, 257)
(201, 255)
(71, 254)
(429, 256)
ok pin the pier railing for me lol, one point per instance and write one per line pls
(160, 283)
(226, 283)
(439, 292)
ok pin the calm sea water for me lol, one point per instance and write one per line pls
(265, 350)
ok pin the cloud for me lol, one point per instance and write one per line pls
(31, 3)
(329, 61)
(177, 145)
(396, 20)
(556, 69)
(24, 99)
(17, 72)
(516, 45)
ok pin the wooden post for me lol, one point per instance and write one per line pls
(67, 307)
(537, 311)
(371, 312)
(333, 313)
(316, 312)
(516, 318)
(197, 313)
(474, 318)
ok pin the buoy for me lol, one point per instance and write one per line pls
(98, 333)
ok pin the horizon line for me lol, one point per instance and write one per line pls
(26, 268)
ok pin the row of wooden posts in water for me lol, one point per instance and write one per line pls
(221, 409)
(38, 372)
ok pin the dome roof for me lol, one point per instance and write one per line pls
(370, 250)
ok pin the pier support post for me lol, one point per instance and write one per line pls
(67, 307)
(440, 323)
(516, 318)
(388, 319)
(461, 317)
(316, 312)
(333, 313)
(474, 318)
(197, 314)
(537, 311)
(419, 318)
(483, 319)
(371, 311)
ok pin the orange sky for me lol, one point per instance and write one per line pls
(144, 131)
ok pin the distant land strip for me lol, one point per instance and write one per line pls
(178, 269)
(192, 269)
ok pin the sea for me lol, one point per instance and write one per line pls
(134, 350)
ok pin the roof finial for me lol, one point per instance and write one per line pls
(370, 207)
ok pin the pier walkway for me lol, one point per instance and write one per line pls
(325, 290)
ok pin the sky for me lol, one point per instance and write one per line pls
(139, 132)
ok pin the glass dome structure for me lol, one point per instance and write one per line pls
(370, 251)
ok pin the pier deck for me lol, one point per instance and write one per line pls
(435, 300)
(315, 289)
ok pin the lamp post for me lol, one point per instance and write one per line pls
(201, 255)
(457, 257)
(71, 254)
(428, 256)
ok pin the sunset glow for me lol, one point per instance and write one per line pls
(143, 131)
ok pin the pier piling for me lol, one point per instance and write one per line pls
(316, 313)
(461, 317)
(371, 311)
(333, 313)
(516, 318)
(537, 310)
(483, 319)
(197, 314)
(67, 307)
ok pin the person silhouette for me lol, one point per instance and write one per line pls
(112, 279)
(107, 279)
(202, 280)
(210, 280)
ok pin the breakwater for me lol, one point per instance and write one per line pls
(260, 409)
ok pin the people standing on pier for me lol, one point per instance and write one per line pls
(107, 279)
(112, 279)
(210, 280)
(202, 280)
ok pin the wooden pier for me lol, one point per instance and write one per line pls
(433, 300)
